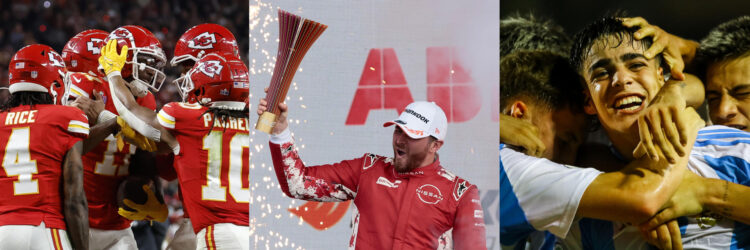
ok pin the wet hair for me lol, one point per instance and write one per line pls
(595, 34)
(524, 33)
(27, 98)
(223, 115)
(541, 77)
(728, 41)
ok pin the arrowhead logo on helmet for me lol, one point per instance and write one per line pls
(203, 41)
(121, 33)
(211, 68)
(95, 46)
(56, 59)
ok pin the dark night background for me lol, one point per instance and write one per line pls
(689, 19)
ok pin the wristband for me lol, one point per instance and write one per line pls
(280, 138)
(104, 116)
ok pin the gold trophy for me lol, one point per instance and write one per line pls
(296, 35)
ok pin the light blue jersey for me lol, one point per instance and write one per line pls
(538, 195)
(719, 152)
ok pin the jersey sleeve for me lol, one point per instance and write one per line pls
(537, 194)
(725, 150)
(166, 116)
(468, 225)
(330, 182)
(77, 125)
(148, 101)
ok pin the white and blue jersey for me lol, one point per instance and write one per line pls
(538, 195)
(719, 152)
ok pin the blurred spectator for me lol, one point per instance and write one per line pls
(54, 22)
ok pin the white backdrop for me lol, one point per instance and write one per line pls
(373, 56)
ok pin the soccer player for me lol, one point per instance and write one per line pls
(538, 194)
(718, 61)
(724, 57)
(43, 203)
(528, 33)
(408, 201)
(621, 81)
(210, 141)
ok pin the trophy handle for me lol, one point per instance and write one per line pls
(266, 122)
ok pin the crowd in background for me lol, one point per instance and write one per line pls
(54, 22)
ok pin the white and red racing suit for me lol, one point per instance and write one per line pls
(426, 208)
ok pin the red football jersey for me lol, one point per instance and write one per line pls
(104, 166)
(212, 168)
(34, 142)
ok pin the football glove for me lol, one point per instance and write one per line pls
(133, 137)
(151, 210)
(110, 61)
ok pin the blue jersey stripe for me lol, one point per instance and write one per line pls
(513, 223)
(719, 143)
(737, 134)
(708, 131)
(737, 170)
(549, 241)
(683, 222)
(730, 168)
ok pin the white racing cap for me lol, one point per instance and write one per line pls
(422, 119)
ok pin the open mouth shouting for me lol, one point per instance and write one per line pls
(400, 153)
(629, 103)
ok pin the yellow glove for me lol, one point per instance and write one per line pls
(152, 210)
(133, 137)
(110, 60)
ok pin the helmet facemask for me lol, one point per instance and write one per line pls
(184, 85)
(146, 66)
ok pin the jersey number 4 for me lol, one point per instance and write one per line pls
(214, 190)
(18, 162)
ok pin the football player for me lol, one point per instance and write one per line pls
(210, 141)
(108, 162)
(43, 201)
(196, 42)
(201, 40)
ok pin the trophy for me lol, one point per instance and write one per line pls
(296, 35)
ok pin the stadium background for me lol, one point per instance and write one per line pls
(55, 22)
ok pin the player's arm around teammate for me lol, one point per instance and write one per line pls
(99, 129)
(142, 119)
(698, 194)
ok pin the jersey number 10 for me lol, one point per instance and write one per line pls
(214, 190)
